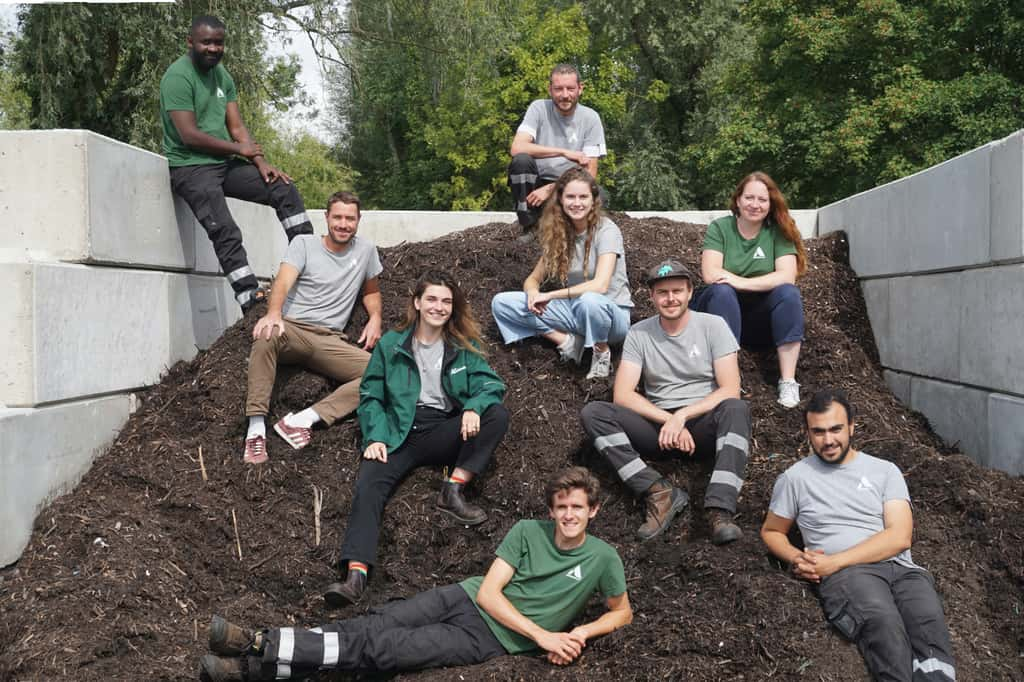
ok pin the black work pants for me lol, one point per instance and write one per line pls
(622, 436)
(435, 438)
(895, 617)
(205, 189)
(523, 178)
(439, 627)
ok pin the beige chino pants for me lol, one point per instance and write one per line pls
(320, 349)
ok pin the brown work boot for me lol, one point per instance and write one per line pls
(220, 669)
(723, 529)
(338, 595)
(451, 502)
(663, 503)
(227, 639)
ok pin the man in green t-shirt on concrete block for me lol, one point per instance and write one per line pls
(204, 136)
(544, 573)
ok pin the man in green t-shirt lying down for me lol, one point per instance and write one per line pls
(544, 573)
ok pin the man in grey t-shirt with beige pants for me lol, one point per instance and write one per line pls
(688, 365)
(854, 515)
(310, 303)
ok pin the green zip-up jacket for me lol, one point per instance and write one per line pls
(391, 386)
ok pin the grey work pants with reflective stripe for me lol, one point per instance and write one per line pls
(623, 437)
(439, 627)
(523, 178)
(895, 617)
(205, 189)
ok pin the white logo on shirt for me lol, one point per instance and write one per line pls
(457, 370)
(865, 484)
(694, 352)
(220, 93)
(759, 254)
(576, 573)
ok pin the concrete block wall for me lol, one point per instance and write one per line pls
(940, 255)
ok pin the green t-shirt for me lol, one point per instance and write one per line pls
(747, 257)
(550, 587)
(184, 88)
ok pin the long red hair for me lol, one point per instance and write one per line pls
(778, 211)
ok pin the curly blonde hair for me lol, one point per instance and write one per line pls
(779, 212)
(557, 234)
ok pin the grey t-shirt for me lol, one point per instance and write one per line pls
(430, 361)
(329, 284)
(678, 370)
(607, 239)
(580, 132)
(837, 507)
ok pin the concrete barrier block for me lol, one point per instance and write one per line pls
(957, 413)
(876, 223)
(947, 210)
(924, 325)
(832, 218)
(44, 452)
(899, 384)
(91, 330)
(876, 300)
(991, 327)
(1006, 434)
(1007, 197)
(201, 308)
(388, 228)
(18, 367)
(73, 195)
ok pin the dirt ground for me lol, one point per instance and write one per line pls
(122, 574)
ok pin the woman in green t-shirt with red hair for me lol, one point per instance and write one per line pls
(751, 261)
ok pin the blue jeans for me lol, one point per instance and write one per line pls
(593, 316)
(764, 318)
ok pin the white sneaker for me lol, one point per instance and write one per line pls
(600, 364)
(572, 348)
(789, 393)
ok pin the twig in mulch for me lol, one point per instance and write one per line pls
(238, 542)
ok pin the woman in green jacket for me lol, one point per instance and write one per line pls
(428, 397)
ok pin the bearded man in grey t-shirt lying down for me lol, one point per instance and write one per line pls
(853, 511)
(687, 362)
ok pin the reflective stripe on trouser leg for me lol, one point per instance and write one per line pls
(601, 422)
(522, 179)
(297, 651)
(239, 273)
(732, 446)
(294, 220)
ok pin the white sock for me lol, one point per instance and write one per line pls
(304, 419)
(257, 427)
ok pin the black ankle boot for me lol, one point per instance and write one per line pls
(451, 502)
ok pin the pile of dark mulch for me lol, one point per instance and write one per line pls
(122, 574)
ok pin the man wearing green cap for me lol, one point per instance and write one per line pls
(687, 363)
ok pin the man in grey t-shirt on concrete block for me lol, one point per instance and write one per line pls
(687, 363)
(854, 515)
(556, 134)
(310, 303)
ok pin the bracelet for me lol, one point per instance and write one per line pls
(568, 292)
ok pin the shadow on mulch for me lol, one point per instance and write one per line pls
(122, 574)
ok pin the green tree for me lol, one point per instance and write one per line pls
(435, 90)
(14, 103)
(838, 97)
